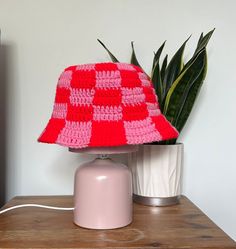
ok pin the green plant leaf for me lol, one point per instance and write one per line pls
(163, 67)
(199, 40)
(203, 41)
(113, 58)
(190, 97)
(133, 59)
(157, 55)
(157, 82)
(174, 68)
(180, 88)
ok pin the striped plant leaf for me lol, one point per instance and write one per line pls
(191, 96)
(174, 68)
(157, 82)
(181, 87)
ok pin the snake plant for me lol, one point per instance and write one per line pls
(177, 83)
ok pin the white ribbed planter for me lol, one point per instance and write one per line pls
(156, 171)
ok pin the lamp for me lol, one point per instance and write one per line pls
(102, 109)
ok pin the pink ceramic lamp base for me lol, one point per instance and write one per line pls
(103, 192)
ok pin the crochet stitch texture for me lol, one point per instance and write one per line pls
(105, 104)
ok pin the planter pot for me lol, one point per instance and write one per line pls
(156, 173)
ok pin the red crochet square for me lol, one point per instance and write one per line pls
(164, 128)
(79, 113)
(62, 95)
(103, 133)
(130, 79)
(105, 66)
(107, 97)
(137, 112)
(52, 130)
(71, 68)
(83, 79)
(149, 95)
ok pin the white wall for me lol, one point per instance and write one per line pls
(41, 38)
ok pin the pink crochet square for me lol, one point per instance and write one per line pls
(81, 96)
(59, 110)
(107, 113)
(75, 134)
(108, 79)
(153, 109)
(86, 67)
(132, 95)
(141, 131)
(144, 79)
(65, 79)
(125, 66)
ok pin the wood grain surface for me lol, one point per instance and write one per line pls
(180, 226)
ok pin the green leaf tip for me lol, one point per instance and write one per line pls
(113, 58)
(174, 68)
(157, 55)
(203, 41)
(134, 59)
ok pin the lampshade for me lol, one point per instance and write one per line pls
(105, 104)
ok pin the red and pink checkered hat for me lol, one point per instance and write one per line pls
(105, 104)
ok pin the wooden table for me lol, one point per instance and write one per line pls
(181, 226)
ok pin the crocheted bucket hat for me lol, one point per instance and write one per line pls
(105, 104)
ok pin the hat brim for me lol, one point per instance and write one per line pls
(100, 134)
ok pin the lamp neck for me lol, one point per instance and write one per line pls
(103, 156)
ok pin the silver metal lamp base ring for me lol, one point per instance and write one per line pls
(156, 201)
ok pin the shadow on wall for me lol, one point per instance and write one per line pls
(3, 121)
